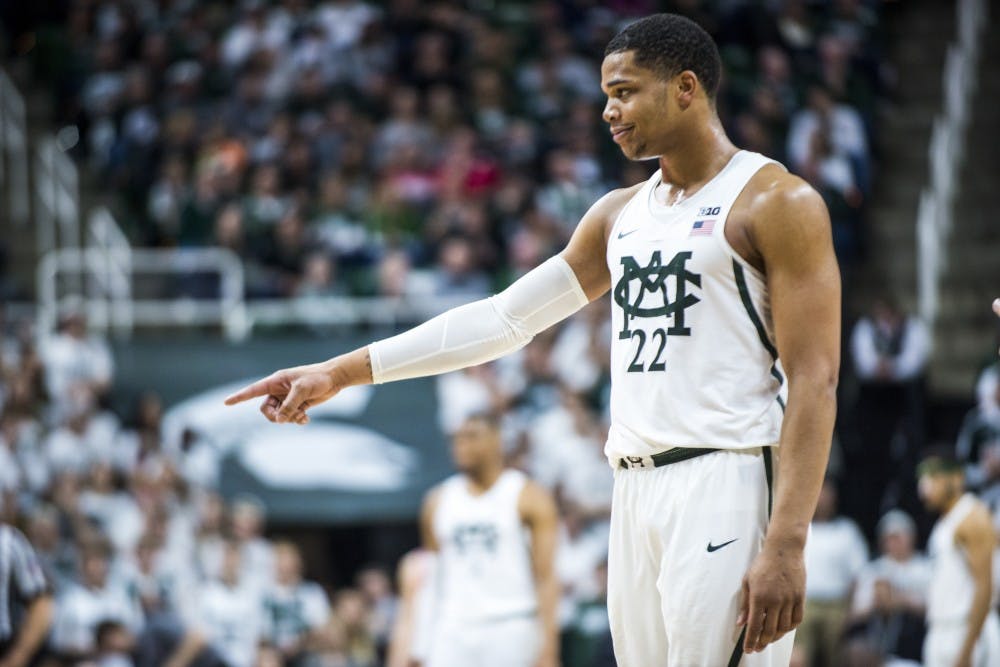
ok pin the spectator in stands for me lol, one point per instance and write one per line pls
(978, 444)
(230, 612)
(833, 176)
(84, 605)
(587, 640)
(209, 541)
(889, 351)
(583, 546)
(246, 525)
(846, 130)
(835, 554)
(114, 645)
(374, 583)
(57, 556)
(104, 502)
(74, 359)
(890, 599)
(283, 251)
(458, 275)
(350, 628)
(294, 609)
(566, 197)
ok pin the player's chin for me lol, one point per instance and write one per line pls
(636, 152)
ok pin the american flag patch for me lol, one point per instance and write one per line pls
(702, 228)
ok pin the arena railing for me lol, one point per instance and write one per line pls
(57, 197)
(945, 151)
(13, 150)
(108, 268)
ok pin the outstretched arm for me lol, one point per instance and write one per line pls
(791, 230)
(465, 336)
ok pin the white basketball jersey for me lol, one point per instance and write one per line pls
(693, 359)
(952, 587)
(484, 562)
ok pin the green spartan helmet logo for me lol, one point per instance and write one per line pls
(652, 278)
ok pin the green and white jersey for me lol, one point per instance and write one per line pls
(484, 570)
(693, 358)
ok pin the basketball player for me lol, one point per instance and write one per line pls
(494, 592)
(720, 264)
(963, 630)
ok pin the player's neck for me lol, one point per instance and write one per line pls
(695, 159)
(949, 504)
(481, 481)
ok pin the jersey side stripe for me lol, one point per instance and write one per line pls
(741, 285)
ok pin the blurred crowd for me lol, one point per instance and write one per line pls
(410, 148)
(146, 564)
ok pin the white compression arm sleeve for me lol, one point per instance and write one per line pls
(483, 330)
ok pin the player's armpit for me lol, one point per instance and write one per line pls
(586, 252)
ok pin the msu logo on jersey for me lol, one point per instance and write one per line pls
(656, 290)
(476, 537)
(637, 282)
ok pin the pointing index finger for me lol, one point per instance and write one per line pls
(258, 388)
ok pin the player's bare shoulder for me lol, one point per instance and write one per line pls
(777, 210)
(610, 206)
(587, 248)
(536, 506)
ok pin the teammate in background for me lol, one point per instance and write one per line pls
(494, 588)
(963, 630)
(414, 571)
(718, 265)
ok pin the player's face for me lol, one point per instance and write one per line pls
(936, 488)
(638, 110)
(473, 444)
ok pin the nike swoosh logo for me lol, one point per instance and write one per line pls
(716, 547)
(623, 235)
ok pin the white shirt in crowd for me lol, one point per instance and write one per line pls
(911, 578)
(291, 612)
(80, 609)
(835, 554)
(577, 558)
(847, 133)
(909, 363)
(230, 616)
(69, 360)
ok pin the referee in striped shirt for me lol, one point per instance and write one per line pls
(25, 600)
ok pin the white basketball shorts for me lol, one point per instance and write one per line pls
(944, 641)
(513, 642)
(682, 537)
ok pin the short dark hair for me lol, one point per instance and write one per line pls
(939, 458)
(671, 44)
(487, 417)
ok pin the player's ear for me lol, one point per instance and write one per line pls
(686, 84)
